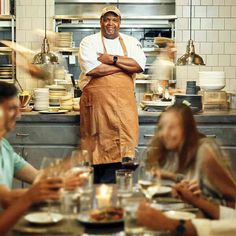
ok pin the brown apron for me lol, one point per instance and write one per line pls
(108, 116)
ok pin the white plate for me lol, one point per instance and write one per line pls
(180, 215)
(158, 190)
(157, 103)
(43, 218)
(53, 112)
(168, 207)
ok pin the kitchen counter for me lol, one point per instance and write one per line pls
(215, 117)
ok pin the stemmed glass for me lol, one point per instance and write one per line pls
(149, 175)
(132, 154)
(50, 168)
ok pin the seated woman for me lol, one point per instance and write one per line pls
(223, 223)
(180, 150)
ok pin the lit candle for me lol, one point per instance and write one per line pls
(103, 196)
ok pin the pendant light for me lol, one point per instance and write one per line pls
(45, 56)
(190, 57)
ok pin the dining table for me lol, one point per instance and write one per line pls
(71, 226)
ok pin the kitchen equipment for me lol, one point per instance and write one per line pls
(212, 80)
(195, 101)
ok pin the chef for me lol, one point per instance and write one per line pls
(108, 111)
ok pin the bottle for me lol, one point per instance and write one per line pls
(166, 93)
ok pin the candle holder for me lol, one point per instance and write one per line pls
(103, 196)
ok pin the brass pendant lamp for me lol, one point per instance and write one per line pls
(45, 56)
(190, 57)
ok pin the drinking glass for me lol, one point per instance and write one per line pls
(51, 169)
(80, 158)
(124, 182)
(130, 206)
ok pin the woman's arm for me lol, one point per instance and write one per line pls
(218, 175)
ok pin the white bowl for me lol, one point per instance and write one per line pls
(212, 80)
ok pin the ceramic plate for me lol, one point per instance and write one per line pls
(180, 215)
(53, 112)
(158, 190)
(84, 218)
(43, 218)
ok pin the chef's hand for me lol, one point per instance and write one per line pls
(105, 58)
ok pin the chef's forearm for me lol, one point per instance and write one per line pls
(103, 70)
(128, 64)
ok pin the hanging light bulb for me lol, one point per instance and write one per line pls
(190, 57)
(45, 56)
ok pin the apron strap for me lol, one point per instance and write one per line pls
(121, 43)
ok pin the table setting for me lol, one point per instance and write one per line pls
(104, 209)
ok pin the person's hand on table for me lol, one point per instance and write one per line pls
(188, 191)
(105, 58)
(44, 189)
(152, 218)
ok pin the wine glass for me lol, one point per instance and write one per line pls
(80, 158)
(50, 168)
(132, 155)
(149, 175)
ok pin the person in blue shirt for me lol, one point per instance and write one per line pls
(11, 164)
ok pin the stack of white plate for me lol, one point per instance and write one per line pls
(212, 80)
(55, 93)
(41, 99)
(64, 39)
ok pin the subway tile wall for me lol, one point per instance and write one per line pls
(214, 34)
(29, 18)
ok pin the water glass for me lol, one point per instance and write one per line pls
(124, 182)
(70, 203)
(130, 206)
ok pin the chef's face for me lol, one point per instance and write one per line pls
(11, 112)
(171, 50)
(110, 25)
(171, 130)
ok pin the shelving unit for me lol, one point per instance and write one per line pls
(7, 65)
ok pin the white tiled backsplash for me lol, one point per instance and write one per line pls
(29, 17)
(214, 35)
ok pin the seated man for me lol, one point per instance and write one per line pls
(45, 189)
(12, 165)
(224, 223)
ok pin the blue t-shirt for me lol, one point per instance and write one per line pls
(10, 163)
